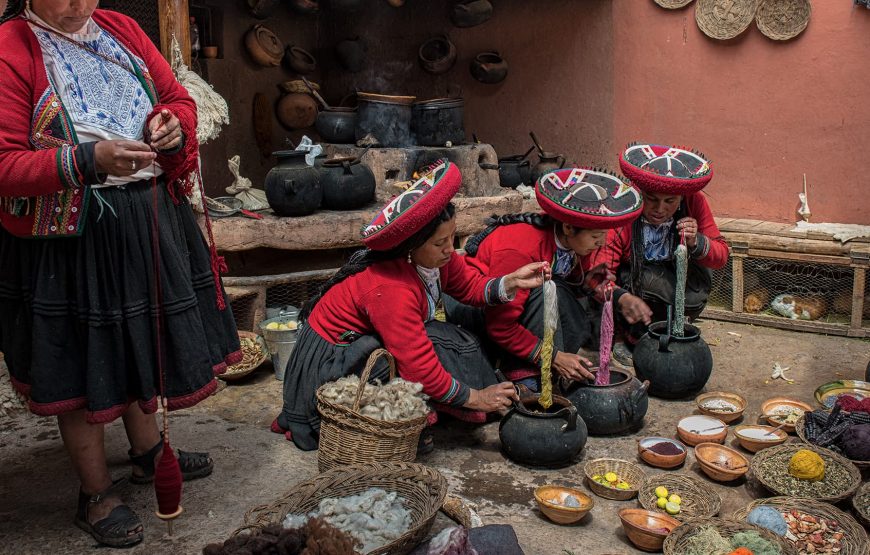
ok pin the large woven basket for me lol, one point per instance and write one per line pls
(783, 19)
(673, 4)
(854, 538)
(784, 453)
(676, 542)
(628, 471)
(861, 504)
(250, 360)
(799, 428)
(423, 489)
(724, 19)
(348, 437)
(699, 500)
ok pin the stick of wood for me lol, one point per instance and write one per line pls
(315, 93)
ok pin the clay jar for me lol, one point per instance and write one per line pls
(351, 54)
(615, 408)
(547, 162)
(295, 110)
(513, 171)
(676, 367)
(347, 184)
(468, 13)
(535, 436)
(489, 68)
(336, 125)
(264, 47)
(299, 60)
(292, 186)
(437, 55)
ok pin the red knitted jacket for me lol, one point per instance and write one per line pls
(389, 299)
(44, 173)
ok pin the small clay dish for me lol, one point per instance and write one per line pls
(756, 437)
(693, 430)
(721, 396)
(771, 406)
(721, 463)
(659, 460)
(647, 530)
(551, 501)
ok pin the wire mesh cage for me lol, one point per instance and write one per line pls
(243, 307)
(721, 290)
(293, 293)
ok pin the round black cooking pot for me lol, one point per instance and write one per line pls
(535, 436)
(514, 170)
(292, 186)
(336, 125)
(387, 120)
(616, 408)
(437, 122)
(676, 367)
(347, 184)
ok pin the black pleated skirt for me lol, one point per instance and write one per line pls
(78, 316)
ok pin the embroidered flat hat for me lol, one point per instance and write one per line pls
(587, 198)
(407, 213)
(13, 8)
(664, 169)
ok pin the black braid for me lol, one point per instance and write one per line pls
(363, 258)
(13, 8)
(532, 218)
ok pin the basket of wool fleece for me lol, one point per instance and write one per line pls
(369, 423)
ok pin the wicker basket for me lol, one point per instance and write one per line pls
(673, 4)
(783, 19)
(785, 452)
(862, 512)
(724, 20)
(348, 437)
(628, 471)
(854, 538)
(801, 433)
(423, 489)
(676, 542)
(699, 500)
(250, 362)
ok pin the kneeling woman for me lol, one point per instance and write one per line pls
(579, 206)
(388, 295)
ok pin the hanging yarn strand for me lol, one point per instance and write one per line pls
(551, 321)
(682, 257)
(605, 339)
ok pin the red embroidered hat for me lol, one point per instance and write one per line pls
(407, 213)
(13, 8)
(663, 169)
(588, 199)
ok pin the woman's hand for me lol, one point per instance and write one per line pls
(122, 158)
(528, 277)
(598, 279)
(572, 367)
(164, 131)
(688, 227)
(634, 309)
(492, 398)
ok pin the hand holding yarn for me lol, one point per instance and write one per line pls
(572, 367)
(688, 228)
(528, 277)
(164, 131)
(121, 157)
(492, 398)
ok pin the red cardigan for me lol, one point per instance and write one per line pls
(617, 249)
(44, 173)
(389, 299)
(507, 248)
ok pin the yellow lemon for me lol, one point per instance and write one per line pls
(596, 478)
(623, 485)
(291, 325)
(611, 477)
(674, 498)
(661, 502)
(273, 326)
(672, 508)
(662, 492)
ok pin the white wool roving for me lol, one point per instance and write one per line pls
(395, 400)
(374, 517)
(211, 108)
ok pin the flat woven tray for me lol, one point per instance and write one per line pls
(783, 19)
(251, 358)
(724, 19)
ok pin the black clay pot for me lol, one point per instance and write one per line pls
(437, 122)
(299, 60)
(292, 186)
(262, 9)
(535, 436)
(676, 367)
(489, 68)
(386, 118)
(547, 162)
(351, 54)
(617, 408)
(514, 171)
(336, 125)
(468, 13)
(347, 184)
(437, 55)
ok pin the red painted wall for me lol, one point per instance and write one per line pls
(765, 112)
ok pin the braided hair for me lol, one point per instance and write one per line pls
(363, 258)
(536, 219)
(636, 256)
(13, 8)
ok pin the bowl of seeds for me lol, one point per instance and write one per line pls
(254, 353)
(725, 406)
(839, 480)
(783, 411)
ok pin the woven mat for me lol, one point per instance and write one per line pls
(724, 19)
(783, 19)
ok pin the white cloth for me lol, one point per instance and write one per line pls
(103, 100)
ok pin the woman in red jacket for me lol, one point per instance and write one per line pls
(388, 295)
(641, 254)
(579, 206)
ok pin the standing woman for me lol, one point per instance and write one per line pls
(579, 206)
(97, 147)
(388, 295)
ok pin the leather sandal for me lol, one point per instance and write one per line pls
(193, 465)
(122, 528)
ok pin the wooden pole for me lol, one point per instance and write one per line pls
(174, 20)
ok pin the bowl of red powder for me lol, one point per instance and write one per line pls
(661, 452)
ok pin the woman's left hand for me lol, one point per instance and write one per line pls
(688, 227)
(528, 277)
(164, 131)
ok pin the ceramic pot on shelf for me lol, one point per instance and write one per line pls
(292, 186)
(261, 9)
(299, 60)
(489, 68)
(547, 162)
(264, 46)
(347, 183)
(437, 55)
(468, 13)
(336, 125)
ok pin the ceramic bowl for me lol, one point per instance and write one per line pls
(769, 407)
(721, 463)
(551, 501)
(693, 430)
(755, 437)
(647, 530)
(732, 398)
(656, 459)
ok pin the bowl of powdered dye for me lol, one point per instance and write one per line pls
(725, 406)
(563, 505)
(755, 438)
(661, 452)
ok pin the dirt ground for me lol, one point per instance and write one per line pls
(253, 466)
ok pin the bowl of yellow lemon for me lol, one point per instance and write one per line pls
(613, 478)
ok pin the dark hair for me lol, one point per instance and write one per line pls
(636, 257)
(13, 8)
(532, 218)
(363, 258)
